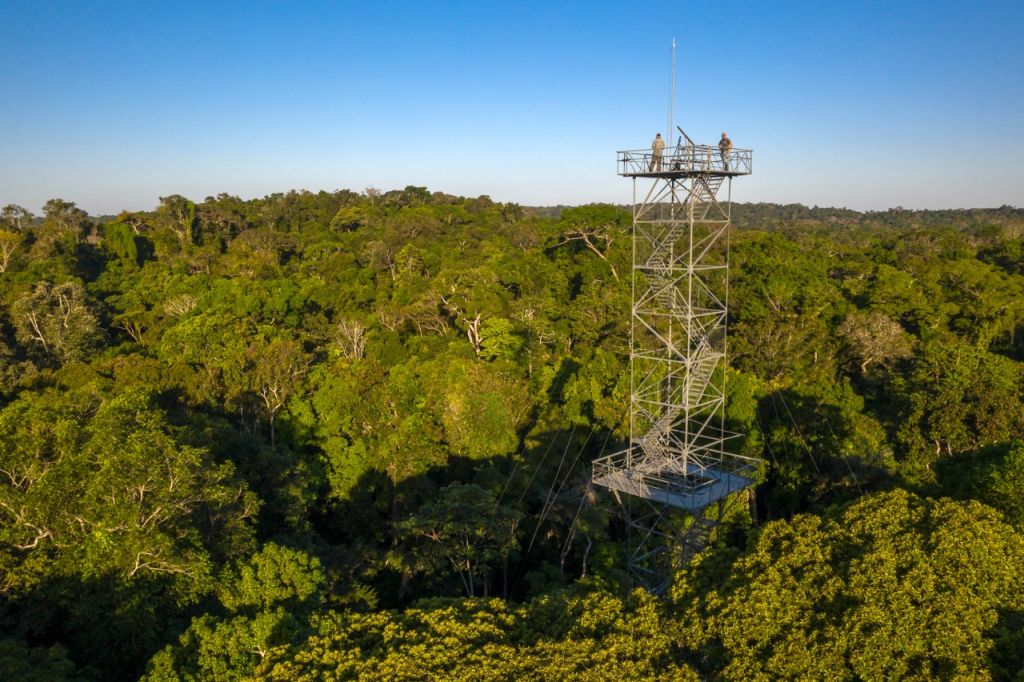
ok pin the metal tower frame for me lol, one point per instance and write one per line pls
(678, 457)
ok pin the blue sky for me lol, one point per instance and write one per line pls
(864, 104)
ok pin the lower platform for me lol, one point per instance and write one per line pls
(680, 483)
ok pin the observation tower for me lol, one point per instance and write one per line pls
(677, 475)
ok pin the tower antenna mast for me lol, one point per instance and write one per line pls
(672, 93)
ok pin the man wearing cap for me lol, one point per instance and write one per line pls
(725, 149)
(657, 147)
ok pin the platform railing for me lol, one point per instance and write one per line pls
(689, 159)
(630, 463)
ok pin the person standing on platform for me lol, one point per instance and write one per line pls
(725, 149)
(657, 149)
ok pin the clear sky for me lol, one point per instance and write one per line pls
(864, 104)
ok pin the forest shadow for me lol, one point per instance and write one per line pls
(86, 614)
(807, 467)
(992, 475)
(546, 480)
(963, 475)
(1008, 636)
(548, 483)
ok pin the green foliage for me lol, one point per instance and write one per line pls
(338, 405)
(57, 322)
(177, 214)
(228, 649)
(98, 486)
(894, 587)
(498, 339)
(19, 661)
(119, 240)
(399, 382)
(482, 410)
(1007, 485)
(265, 597)
(961, 397)
(462, 529)
(9, 243)
(272, 576)
(994, 476)
(598, 392)
(593, 636)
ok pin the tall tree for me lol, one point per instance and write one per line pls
(178, 214)
(58, 320)
(15, 218)
(462, 529)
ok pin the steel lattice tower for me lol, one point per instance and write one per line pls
(678, 456)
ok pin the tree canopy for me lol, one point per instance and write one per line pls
(348, 435)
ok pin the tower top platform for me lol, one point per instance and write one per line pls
(684, 162)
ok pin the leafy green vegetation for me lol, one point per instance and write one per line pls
(348, 435)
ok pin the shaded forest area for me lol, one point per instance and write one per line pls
(347, 435)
